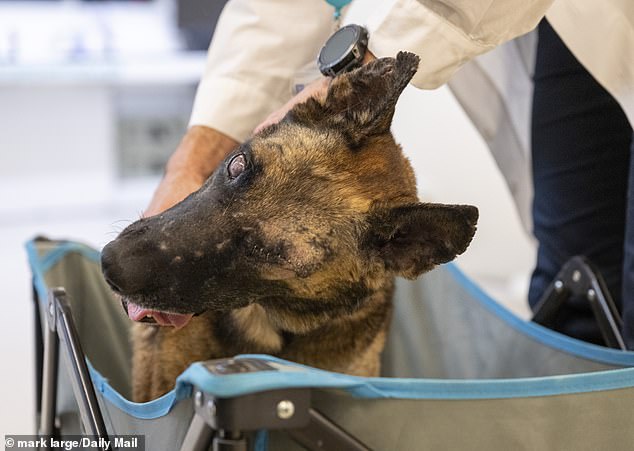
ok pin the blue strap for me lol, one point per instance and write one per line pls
(261, 440)
(338, 5)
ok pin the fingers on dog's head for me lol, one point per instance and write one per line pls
(360, 103)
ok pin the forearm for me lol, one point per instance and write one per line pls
(197, 156)
(199, 153)
(248, 74)
(256, 51)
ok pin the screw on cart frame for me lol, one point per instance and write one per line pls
(285, 409)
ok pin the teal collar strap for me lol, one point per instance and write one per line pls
(338, 5)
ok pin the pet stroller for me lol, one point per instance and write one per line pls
(461, 373)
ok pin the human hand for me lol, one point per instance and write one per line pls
(317, 89)
(196, 157)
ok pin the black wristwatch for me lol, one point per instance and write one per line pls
(343, 51)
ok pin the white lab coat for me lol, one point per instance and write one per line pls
(260, 46)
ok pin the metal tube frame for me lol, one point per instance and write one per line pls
(39, 354)
(59, 327)
(199, 435)
(579, 277)
(321, 433)
(50, 366)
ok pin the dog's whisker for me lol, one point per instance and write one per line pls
(224, 212)
(121, 223)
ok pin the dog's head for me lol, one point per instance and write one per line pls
(308, 217)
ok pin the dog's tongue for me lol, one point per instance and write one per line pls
(177, 320)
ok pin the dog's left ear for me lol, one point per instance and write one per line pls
(413, 239)
(360, 103)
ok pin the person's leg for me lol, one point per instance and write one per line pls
(580, 151)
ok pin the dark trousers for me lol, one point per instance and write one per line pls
(584, 184)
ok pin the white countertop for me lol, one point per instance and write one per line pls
(172, 68)
(72, 42)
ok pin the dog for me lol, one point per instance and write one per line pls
(291, 247)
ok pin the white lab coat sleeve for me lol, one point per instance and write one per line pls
(448, 33)
(257, 48)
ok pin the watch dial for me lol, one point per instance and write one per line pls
(338, 45)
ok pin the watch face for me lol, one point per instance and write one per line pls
(338, 45)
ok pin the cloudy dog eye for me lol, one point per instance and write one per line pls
(236, 166)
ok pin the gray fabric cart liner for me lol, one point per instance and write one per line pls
(483, 378)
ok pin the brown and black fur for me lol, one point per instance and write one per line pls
(297, 256)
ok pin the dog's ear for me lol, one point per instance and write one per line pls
(413, 239)
(360, 103)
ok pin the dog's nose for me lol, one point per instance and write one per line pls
(113, 272)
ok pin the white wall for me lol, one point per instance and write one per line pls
(453, 165)
(48, 129)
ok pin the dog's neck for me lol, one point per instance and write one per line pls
(253, 323)
(258, 329)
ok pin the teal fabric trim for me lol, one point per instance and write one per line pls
(146, 411)
(36, 270)
(47, 261)
(65, 248)
(338, 5)
(40, 265)
(292, 375)
(539, 333)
